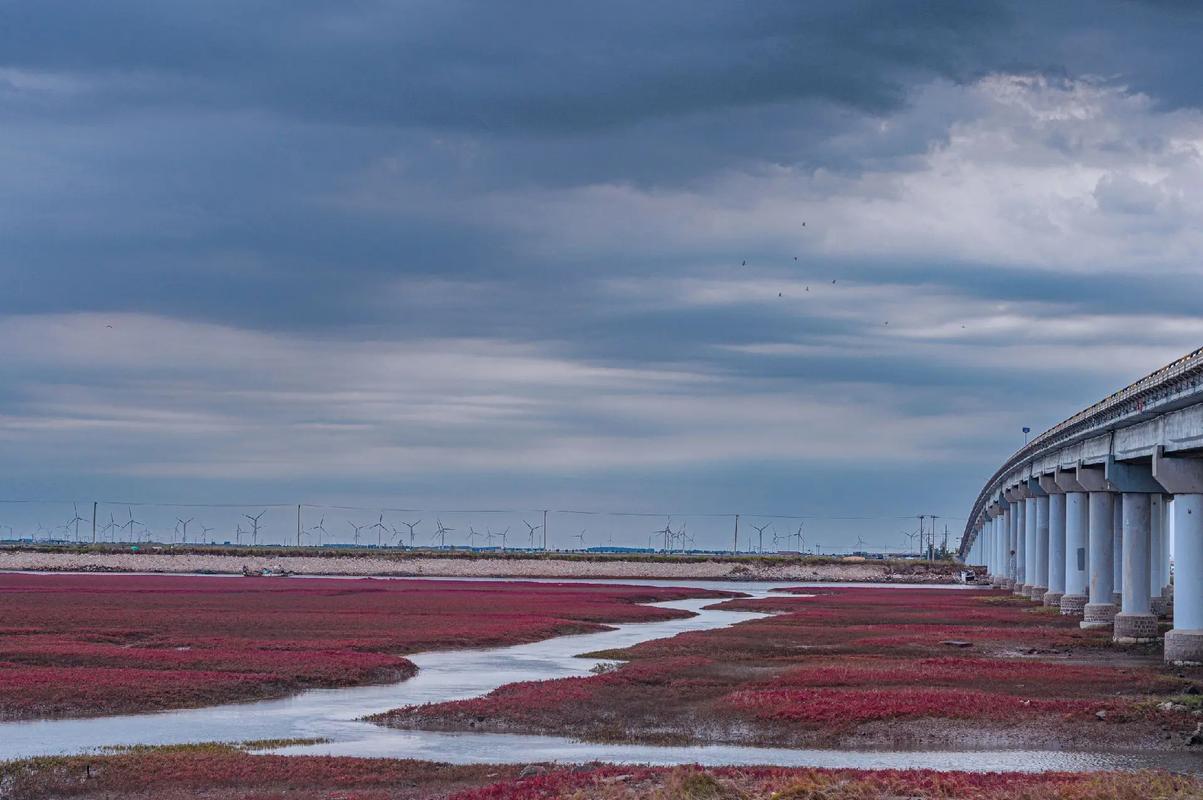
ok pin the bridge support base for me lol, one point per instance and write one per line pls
(1184, 647)
(1135, 628)
(1117, 599)
(1159, 607)
(1037, 593)
(1023, 589)
(1098, 615)
(1052, 599)
(1072, 605)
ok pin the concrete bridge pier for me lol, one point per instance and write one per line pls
(1022, 575)
(1055, 552)
(1184, 477)
(1156, 520)
(1099, 611)
(1167, 539)
(997, 572)
(1012, 521)
(1037, 540)
(1000, 544)
(1136, 621)
(1008, 545)
(1075, 553)
(1117, 564)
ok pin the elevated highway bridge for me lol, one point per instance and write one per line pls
(1085, 516)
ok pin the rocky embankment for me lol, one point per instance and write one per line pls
(475, 567)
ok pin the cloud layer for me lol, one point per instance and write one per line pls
(801, 258)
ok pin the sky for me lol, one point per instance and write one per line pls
(818, 259)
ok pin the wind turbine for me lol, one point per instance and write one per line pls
(532, 529)
(205, 534)
(357, 528)
(441, 535)
(132, 522)
(472, 536)
(685, 538)
(380, 528)
(581, 538)
(760, 529)
(320, 527)
(667, 532)
(238, 532)
(109, 527)
(411, 526)
(255, 526)
(75, 520)
(860, 543)
(184, 523)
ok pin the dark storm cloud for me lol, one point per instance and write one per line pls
(281, 196)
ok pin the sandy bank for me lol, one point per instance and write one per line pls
(476, 567)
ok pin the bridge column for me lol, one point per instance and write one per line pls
(996, 544)
(1055, 552)
(1012, 552)
(1184, 477)
(1099, 611)
(1075, 555)
(1117, 549)
(1157, 511)
(1135, 622)
(1167, 541)
(988, 531)
(1021, 542)
(1037, 540)
(1004, 544)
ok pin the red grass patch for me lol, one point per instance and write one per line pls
(94, 644)
(221, 773)
(834, 709)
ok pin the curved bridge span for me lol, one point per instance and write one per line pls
(1085, 516)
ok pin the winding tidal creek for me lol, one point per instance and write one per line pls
(334, 715)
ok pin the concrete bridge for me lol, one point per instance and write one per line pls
(1085, 516)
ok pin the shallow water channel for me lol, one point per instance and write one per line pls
(332, 714)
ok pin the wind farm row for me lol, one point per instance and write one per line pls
(319, 526)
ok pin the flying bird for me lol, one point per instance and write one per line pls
(833, 280)
(744, 263)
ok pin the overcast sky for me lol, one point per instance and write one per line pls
(821, 258)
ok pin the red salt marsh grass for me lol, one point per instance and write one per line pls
(224, 773)
(828, 667)
(93, 644)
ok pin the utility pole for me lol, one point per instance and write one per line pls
(544, 530)
(735, 544)
(298, 524)
(93, 522)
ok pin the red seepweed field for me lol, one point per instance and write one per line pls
(225, 773)
(857, 667)
(74, 645)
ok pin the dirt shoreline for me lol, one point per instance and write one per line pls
(476, 567)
